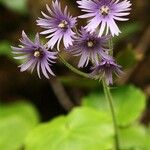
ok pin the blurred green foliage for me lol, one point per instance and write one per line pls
(90, 127)
(78, 82)
(19, 6)
(127, 30)
(129, 103)
(16, 120)
(126, 58)
(5, 49)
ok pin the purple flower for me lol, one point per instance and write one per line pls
(35, 55)
(90, 47)
(103, 14)
(58, 25)
(105, 69)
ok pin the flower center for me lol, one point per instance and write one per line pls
(90, 44)
(63, 24)
(104, 10)
(37, 53)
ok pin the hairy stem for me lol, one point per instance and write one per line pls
(110, 101)
(73, 68)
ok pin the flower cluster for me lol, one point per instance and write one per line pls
(90, 42)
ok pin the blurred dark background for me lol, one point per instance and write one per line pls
(59, 95)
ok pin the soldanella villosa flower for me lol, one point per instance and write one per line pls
(91, 42)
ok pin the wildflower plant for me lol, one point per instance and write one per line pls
(92, 42)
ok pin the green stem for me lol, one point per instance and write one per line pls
(110, 101)
(106, 92)
(73, 68)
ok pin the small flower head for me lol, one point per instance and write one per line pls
(90, 47)
(103, 14)
(59, 25)
(105, 69)
(35, 55)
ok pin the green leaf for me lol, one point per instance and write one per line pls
(134, 138)
(16, 120)
(129, 103)
(147, 143)
(16, 5)
(83, 129)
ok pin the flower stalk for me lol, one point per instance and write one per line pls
(107, 95)
(110, 101)
(73, 69)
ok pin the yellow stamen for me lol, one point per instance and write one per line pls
(63, 24)
(104, 10)
(37, 54)
(90, 44)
